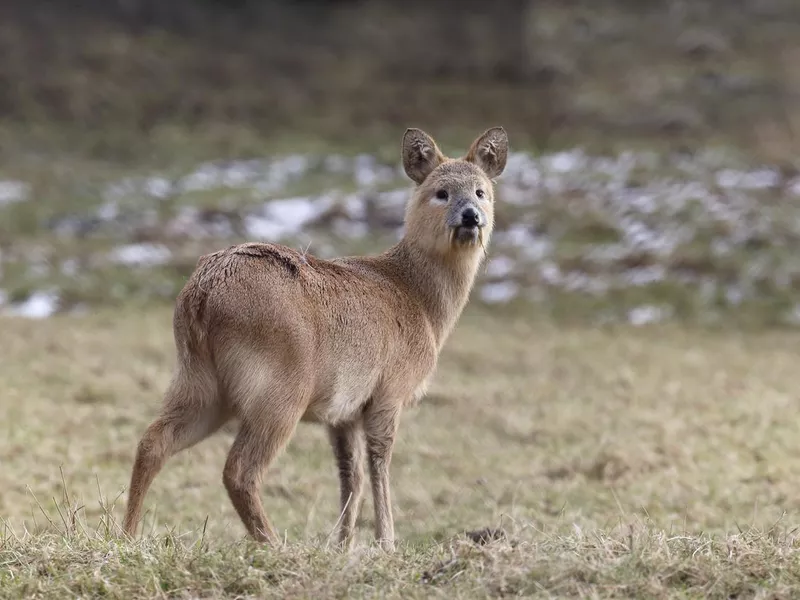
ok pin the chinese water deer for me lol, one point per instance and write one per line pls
(270, 337)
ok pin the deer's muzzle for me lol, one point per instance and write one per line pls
(465, 221)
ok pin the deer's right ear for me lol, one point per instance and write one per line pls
(420, 155)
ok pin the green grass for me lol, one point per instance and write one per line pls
(620, 462)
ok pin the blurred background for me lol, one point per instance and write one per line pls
(654, 173)
(652, 195)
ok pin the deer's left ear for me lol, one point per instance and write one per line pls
(490, 151)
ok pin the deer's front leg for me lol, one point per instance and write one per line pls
(380, 426)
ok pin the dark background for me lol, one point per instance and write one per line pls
(353, 72)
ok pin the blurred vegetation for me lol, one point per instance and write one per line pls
(95, 94)
(128, 80)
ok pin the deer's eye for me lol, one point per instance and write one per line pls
(441, 195)
(480, 194)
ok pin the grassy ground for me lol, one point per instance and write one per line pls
(619, 462)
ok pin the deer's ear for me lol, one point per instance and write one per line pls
(490, 151)
(420, 155)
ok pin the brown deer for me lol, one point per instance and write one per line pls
(272, 337)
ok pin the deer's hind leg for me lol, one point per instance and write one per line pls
(347, 441)
(192, 411)
(269, 404)
(255, 447)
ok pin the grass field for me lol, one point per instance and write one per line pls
(619, 462)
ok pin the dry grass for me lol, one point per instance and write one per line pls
(659, 462)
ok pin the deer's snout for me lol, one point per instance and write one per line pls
(466, 215)
(470, 217)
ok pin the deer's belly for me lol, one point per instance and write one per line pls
(344, 398)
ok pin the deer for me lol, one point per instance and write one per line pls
(269, 337)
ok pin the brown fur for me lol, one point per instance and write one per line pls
(271, 337)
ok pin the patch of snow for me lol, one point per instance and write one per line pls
(141, 255)
(39, 305)
(648, 314)
(643, 276)
(13, 191)
(734, 295)
(108, 211)
(532, 247)
(262, 176)
(70, 267)
(498, 293)
(365, 171)
(565, 162)
(518, 196)
(262, 228)
(283, 170)
(287, 216)
(355, 207)
(550, 273)
(748, 180)
(158, 187)
(521, 171)
(644, 203)
(597, 286)
(499, 266)
(394, 198)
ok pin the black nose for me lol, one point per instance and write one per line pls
(470, 217)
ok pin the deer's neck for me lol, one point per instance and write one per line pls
(441, 283)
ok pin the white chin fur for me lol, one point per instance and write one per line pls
(465, 237)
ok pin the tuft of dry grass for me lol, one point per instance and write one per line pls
(634, 562)
(546, 461)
